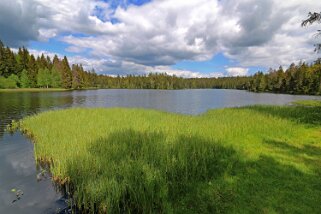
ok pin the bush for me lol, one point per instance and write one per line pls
(10, 82)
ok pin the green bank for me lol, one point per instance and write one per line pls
(257, 159)
(308, 103)
(34, 90)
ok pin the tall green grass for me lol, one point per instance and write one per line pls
(259, 159)
(311, 103)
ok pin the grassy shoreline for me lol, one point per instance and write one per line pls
(308, 103)
(257, 159)
(34, 90)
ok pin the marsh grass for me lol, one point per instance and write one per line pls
(311, 103)
(259, 159)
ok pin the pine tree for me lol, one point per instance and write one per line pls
(57, 67)
(76, 77)
(11, 62)
(49, 63)
(32, 71)
(66, 73)
(22, 60)
(43, 62)
(2, 59)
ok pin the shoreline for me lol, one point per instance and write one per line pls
(83, 89)
(34, 90)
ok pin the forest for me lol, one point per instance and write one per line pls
(297, 79)
(23, 70)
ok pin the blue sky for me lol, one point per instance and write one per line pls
(189, 38)
(217, 63)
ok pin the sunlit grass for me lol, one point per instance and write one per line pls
(259, 159)
(312, 103)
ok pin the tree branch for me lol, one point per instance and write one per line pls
(312, 17)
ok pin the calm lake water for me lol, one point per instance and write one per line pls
(17, 165)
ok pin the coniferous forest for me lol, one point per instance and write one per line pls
(24, 70)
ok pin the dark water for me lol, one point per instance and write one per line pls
(17, 166)
(18, 171)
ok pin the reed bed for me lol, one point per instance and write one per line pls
(257, 159)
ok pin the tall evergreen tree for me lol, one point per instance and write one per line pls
(32, 71)
(2, 59)
(42, 62)
(76, 77)
(22, 60)
(66, 73)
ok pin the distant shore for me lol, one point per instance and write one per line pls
(42, 89)
(34, 89)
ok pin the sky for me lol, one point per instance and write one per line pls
(188, 38)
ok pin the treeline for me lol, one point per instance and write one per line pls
(24, 70)
(297, 79)
(164, 81)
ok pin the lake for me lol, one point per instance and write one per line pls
(17, 164)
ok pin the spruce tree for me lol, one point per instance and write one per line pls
(2, 65)
(66, 73)
(76, 77)
(32, 71)
(22, 60)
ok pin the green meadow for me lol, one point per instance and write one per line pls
(256, 159)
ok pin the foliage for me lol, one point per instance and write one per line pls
(312, 18)
(55, 79)
(66, 75)
(44, 78)
(146, 161)
(24, 79)
(40, 72)
(297, 79)
(10, 82)
(3, 82)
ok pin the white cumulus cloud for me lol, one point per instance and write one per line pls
(237, 71)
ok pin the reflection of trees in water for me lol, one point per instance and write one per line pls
(14, 106)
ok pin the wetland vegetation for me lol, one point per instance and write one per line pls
(268, 160)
